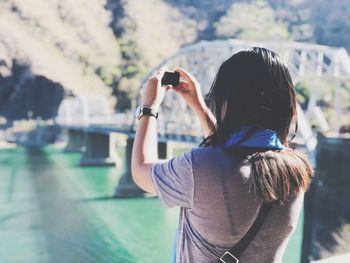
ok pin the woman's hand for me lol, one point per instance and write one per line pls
(153, 93)
(190, 90)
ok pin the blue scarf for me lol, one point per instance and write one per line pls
(262, 138)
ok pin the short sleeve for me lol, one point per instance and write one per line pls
(174, 181)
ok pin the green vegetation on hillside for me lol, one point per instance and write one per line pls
(67, 41)
(108, 46)
(147, 34)
(251, 21)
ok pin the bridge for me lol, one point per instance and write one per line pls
(92, 127)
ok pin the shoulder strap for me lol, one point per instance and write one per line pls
(233, 255)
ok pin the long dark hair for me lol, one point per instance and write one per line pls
(253, 88)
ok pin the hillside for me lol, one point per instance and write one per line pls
(59, 39)
(107, 46)
(147, 33)
(76, 43)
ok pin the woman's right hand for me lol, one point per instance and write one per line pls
(189, 89)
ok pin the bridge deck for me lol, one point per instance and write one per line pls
(55, 211)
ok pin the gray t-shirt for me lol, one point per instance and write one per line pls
(211, 221)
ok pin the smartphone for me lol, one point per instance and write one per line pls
(171, 78)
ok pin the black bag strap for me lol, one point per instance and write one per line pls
(233, 255)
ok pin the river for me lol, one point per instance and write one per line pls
(53, 210)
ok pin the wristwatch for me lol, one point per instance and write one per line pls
(143, 110)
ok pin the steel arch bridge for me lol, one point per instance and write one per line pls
(322, 66)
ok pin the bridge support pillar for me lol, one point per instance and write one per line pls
(165, 150)
(126, 186)
(76, 140)
(97, 150)
(327, 212)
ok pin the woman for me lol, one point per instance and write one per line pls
(242, 164)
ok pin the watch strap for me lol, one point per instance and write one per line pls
(147, 111)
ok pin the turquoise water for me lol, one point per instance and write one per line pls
(53, 210)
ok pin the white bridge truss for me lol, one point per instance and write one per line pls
(322, 66)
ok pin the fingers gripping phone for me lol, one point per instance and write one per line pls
(171, 78)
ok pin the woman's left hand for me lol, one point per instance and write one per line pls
(153, 93)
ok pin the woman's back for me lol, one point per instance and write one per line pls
(219, 205)
(243, 161)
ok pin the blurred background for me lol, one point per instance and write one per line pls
(70, 78)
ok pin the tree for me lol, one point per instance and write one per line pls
(251, 21)
(331, 23)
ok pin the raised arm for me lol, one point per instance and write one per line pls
(190, 90)
(207, 120)
(145, 150)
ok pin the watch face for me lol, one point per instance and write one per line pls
(138, 112)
